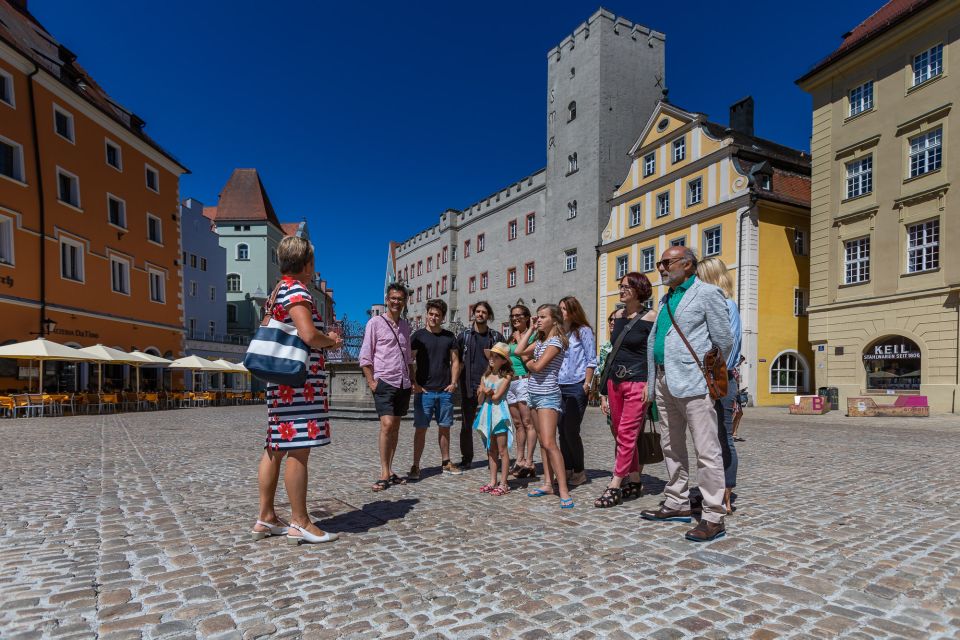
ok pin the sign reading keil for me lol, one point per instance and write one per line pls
(892, 352)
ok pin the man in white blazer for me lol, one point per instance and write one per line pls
(680, 391)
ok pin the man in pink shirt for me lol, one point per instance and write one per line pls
(387, 364)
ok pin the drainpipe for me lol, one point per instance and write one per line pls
(40, 201)
(749, 210)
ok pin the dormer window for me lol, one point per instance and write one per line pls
(766, 181)
(572, 111)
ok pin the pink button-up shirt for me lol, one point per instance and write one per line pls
(386, 347)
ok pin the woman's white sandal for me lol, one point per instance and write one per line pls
(273, 530)
(306, 537)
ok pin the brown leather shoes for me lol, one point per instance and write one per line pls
(666, 515)
(706, 531)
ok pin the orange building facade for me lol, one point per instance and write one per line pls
(89, 229)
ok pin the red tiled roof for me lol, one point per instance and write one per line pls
(290, 228)
(244, 198)
(886, 17)
(20, 30)
(791, 186)
(210, 212)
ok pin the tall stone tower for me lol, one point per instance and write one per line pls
(603, 82)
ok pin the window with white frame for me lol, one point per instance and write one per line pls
(860, 177)
(157, 280)
(679, 149)
(648, 259)
(114, 155)
(68, 188)
(695, 191)
(572, 164)
(466, 248)
(663, 204)
(926, 152)
(679, 242)
(11, 159)
(453, 253)
(63, 123)
(531, 271)
(512, 230)
(203, 264)
(6, 89)
(453, 282)
(429, 291)
(472, 284)
(923, 246)
(481, 242)
(193, 260)
(927, 64)
(120, 275)
(623, 266)
(856, 261)
(571, 111)
(571, 210)
(71, 259)
(766, 181)
(6, 240)
(649, 164)
(484, 280)
(153, 178)
(429, 265)
(116, 211)
(531, 223)
(799, 302)
(712, 241)
(636, 215)
(861, 98)
(570, 260)
(787, 374)
(799, 242)
(154, 229)
(233, 282)
(243, 251)
(512, 277)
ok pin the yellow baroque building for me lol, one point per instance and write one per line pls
(723, 192)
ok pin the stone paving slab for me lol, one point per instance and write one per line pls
(135, 526)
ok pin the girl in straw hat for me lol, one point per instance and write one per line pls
(493, 419)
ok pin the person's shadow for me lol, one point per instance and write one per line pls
(369, 516)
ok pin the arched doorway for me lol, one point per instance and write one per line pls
(788, 373)
(892, 363)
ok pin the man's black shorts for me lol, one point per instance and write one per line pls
(391, 401)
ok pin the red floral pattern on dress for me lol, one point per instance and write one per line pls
(295, 298)
(286, 394)
(279, 314)
(308, 392)
(286, 431)
(313, 430)
(315, 368)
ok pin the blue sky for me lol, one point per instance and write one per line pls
(369, 119)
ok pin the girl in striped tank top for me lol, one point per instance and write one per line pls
(544, 397)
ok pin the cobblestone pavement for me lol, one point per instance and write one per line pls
(135, 525)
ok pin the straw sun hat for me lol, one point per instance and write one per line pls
(501, 349)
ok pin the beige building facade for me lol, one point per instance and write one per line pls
(884, 318)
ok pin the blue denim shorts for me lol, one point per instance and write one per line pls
(433, 405)
(545, 400)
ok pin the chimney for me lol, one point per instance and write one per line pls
(741, 116)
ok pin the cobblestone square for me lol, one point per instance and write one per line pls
(136, 526)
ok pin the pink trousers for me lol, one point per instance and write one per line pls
(626, 412)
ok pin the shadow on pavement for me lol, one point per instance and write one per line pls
(369, 516)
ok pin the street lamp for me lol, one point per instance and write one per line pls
(46, 327)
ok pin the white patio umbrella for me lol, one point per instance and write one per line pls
(42, 350)
(235, 367)
(195, 363)
(149, 360)
(116, 356)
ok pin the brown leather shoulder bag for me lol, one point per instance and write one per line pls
(713, 367)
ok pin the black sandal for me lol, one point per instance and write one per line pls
(527, 472)
(632, 490)
(395, 479)
(380, 485)
(612, 496)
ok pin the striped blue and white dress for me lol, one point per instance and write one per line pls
(298, 417)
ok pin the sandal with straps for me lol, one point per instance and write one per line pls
(380, 485)
(306, 537)
(632, 490)
(500, 490)
(279, 529)
(611, 497)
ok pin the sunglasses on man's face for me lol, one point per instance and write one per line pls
(666, 263)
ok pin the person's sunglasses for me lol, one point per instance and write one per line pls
(666, 263)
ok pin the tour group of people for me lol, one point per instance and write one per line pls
(531, 387)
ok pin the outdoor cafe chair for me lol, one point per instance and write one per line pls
(130, 400)
(148, 399)
(6, 406)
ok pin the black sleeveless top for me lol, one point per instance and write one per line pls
(630, 361)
